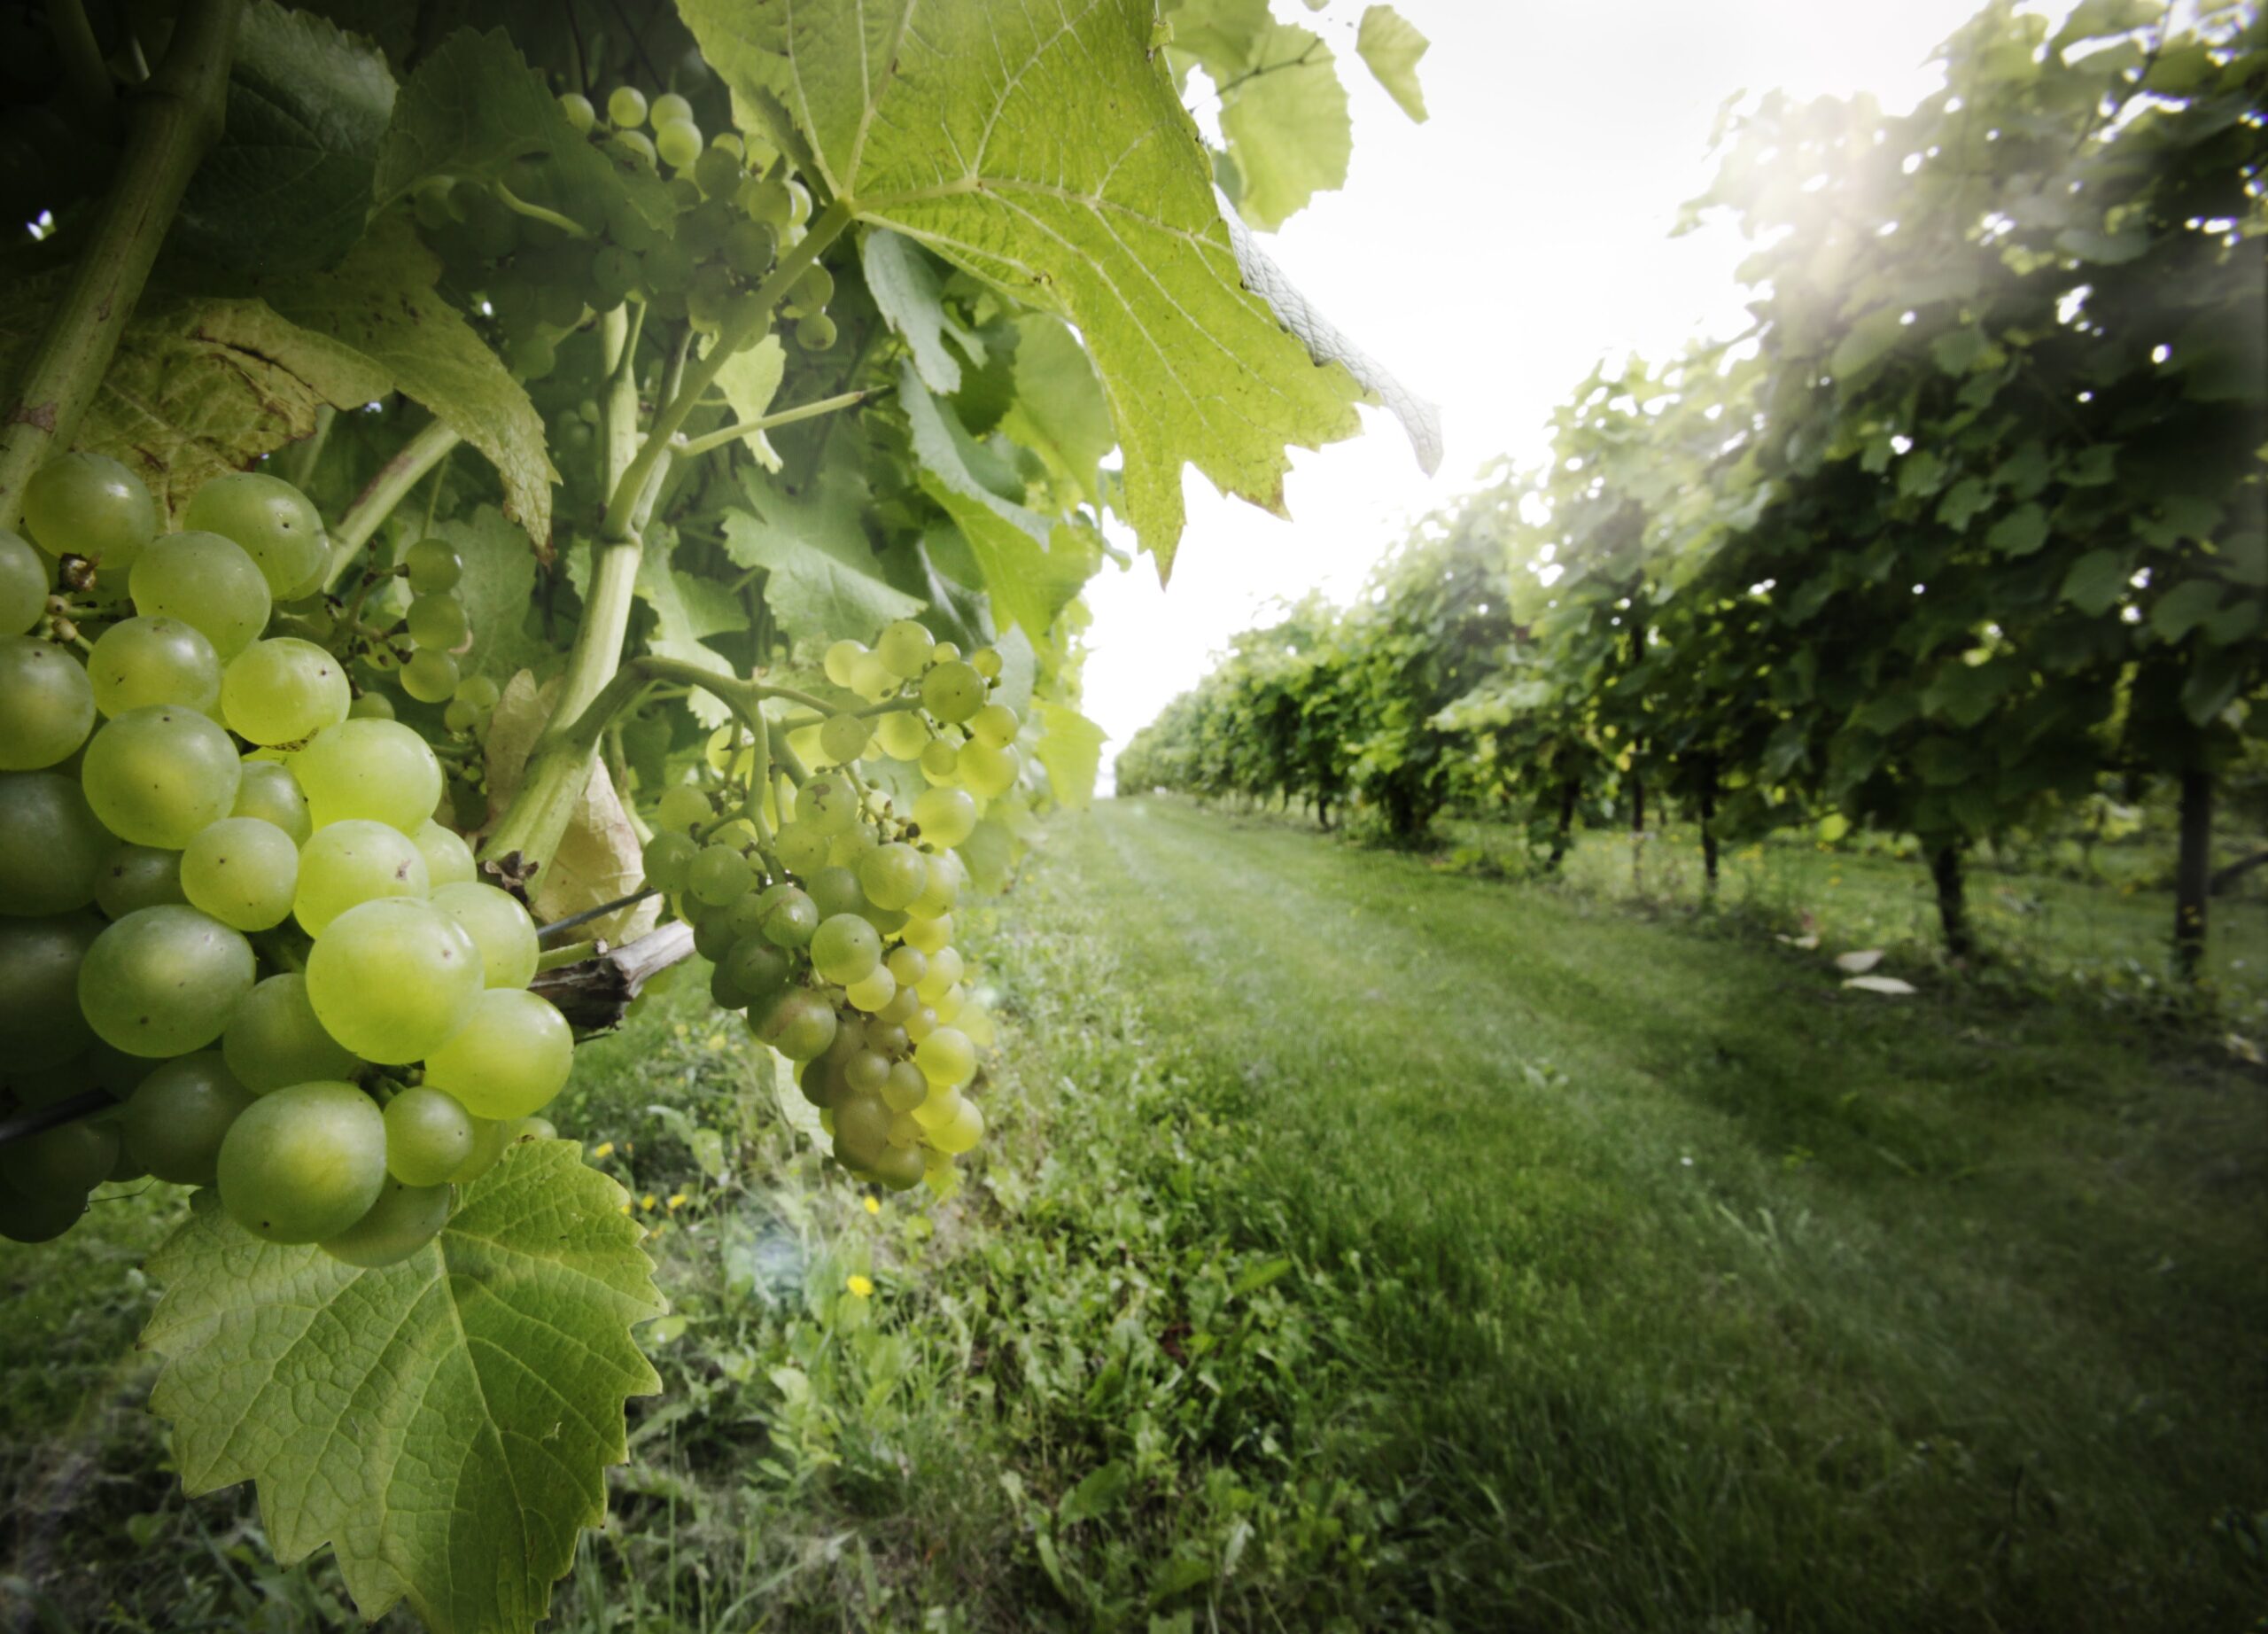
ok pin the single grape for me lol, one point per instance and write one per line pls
(904, 648)
(839, 661)
(372, 706)
(489, 1138)
(437, 620)
(430, 677)
(40, 1025)
(941, 761)
(946, 1058)
(164, 981)
(835, 891)
(920, 1022)
(945, 816)
(844, 948)
(904, 1130)
(938, 1110)
(207, 582)
(712, 932)
(962, 1130)
(178, 1115)
(942, 890)
(520, 1131)
(132, 877)
(38, 1218)
(283, 691)
(578, 110)
(866, 1072)
(872, 991)
(70, 1158)
(995, 725)
(500, 928)
(799, 202)
(986, 661)
(625, 107)
(669, 108)
(352, 862)
(928, 935)
(138, 662)
(511, 1058)
(304, 1163)
(274, 1040)
(155, 775)
(905, 1087)
(842, 738)
(393, 979)
(945, 969)
(635, 146)
(943, 652)
(751, 247)
(901, 1168)
(678, 143)
(893, 876)
(825, 804)
(757, 966)
(448, 860)
(948, 1005)
(376, 769)
(683, 806)
(268, 790)
(797, 1023)
(719, 875)
(480, 692)
(952, 691)
(861, 1129)
(403, 1220)
(433, 566)
(429, 1136)
(269, 519)
(51, 848)
(801, 849)
(903, 735)
(47, 704)
(243, 872)
(23, 584)
(815, 332)
(668, 860)
(90, 505)
(718, 174)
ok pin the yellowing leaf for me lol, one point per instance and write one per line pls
(1390, 45)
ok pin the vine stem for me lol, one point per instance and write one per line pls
(172, 123)
(751, 428)
(376, 502)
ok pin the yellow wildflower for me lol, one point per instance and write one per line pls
(873, 1206)
(647, 1202)
(677, 1201)
(604, 1148)
(862, 1287)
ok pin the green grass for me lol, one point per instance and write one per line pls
(1358, 1246)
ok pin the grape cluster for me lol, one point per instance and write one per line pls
(835, 933)
(571, 243)
(224, 900)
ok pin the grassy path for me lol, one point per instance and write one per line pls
(1713, 1290)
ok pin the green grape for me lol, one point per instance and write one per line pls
(138, 662)
(719, 875)
(304, 1163)
(372, 706)
(635, 146)
(274, 1040)
(448, 860)
(155, 775)
(47, 704)
(283, 691)
(904, 1132)
(625, 107)
(393, 979)
(430, 677)
(207, 582)
(434, 566)
(961, 1130)
(842, 737)
(995, 724)
(459, 716)
(871, 680)
(429, 1135)
(668, 860)
(712, 932)
(352, 862)
(904, 1088)
(70, 1158)
(613, 274)
(682, 806)
(718, 171)
(669, 108)
(945, 816)
(801, 849)
(942, 890)
(820, 1080)
(164, 981)
(90, 505)
(886, 1038)
(797, 1023)
(920, 1022)
(489, 1138)
(520, 1131)
(499, 927)
(376, 769)
(986, 661)
(678, 143)
(765, 201)
(850, 1038)
(871, 991)
(946, 1058)
(270, 519)
(814, 289)
(940, 761)
(480, 692)
(931, 934)
(943, 652)
(861, 1129)
(23, 584)
(266, 789)
(825, 805)
(578, 110)
(243, 872)
(177, 1116)
(840, 658)
(866, 1072)
(900, 1169)
(40, 1022)
(38, 1218)
(133, 877)
(51, 848)
(909, 965)
(403, 1220)
(815, 332)
(799, 203)
(756, 968)
(952, 691)
(948, 1005)
(937, 1109)
(437, 620)
(724, 991)
(904, 648)
(835, 891)
(749, 247)
(788, 917)
(893, 876)
(844, 948)
(509, 1059)
(986, 771)
(903, 736)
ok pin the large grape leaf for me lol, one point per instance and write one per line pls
(1071, 747)
(288, 185)
(1044, 149)
(1032, 565)
(907, 288)
(821, 578)
(444, 1424)
(1058, 411)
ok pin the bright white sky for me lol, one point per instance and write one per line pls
(1489, 257)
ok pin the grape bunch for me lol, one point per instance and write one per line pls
(225, 902)
(835, 932)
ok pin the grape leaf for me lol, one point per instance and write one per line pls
(1058, 411)
(1071, 747)
(2019, 533)
(907, 288)
(1032, 565)
(2096, 581)
(397, 1415)
(749, 380)
(1286, 124)
(498, 590)
(822, 579)
(1048, 154)
(1390, 46)
(288, 185)
(677, 633)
